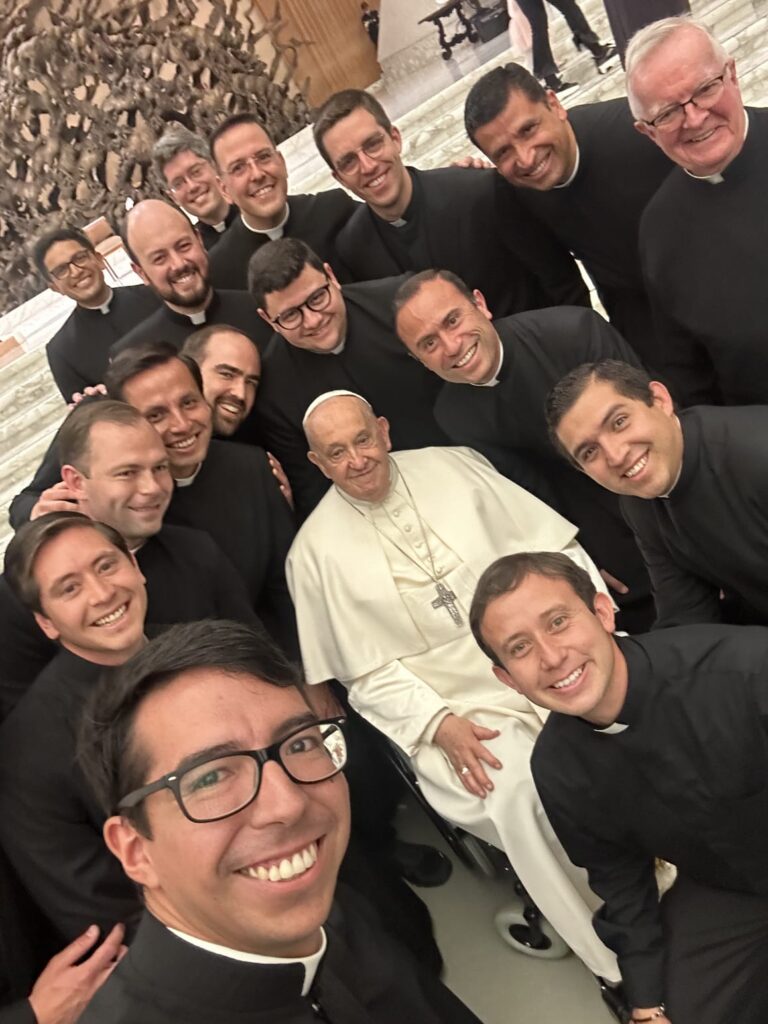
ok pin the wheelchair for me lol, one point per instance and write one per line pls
(526, 930)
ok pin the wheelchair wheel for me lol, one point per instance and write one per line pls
(516, 931)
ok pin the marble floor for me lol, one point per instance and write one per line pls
(499, 984)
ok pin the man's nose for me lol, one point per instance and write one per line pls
(100, 589)
(367, 163)
(178, 421)
(357, 458)
(237, 388)
(148, 482)
(526, 158)
(614, 450)
(311, 317)
(280, 799)
(451, 343)
(550, 653)
(694, 116)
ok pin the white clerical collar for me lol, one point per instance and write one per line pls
(574, 172)
(104, 307)
(495, 378)
(717, 179)
(220, 228)
(185, 481)
(309, 963)
(613, 729)
(272, 233)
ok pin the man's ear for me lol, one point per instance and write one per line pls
(223, 189)
(383, 424)
(313, 458)
(662, 397)
(137, 270)
(263, 314)
(481, 304)
(604, 610)
(331, 276)
(73, 478)
(132, 849)
(644, 129)
(47, 626)
(504, 677)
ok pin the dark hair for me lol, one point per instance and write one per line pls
(44, 243)
(490, 95)
(31, 538)
(277, 264)
(109, 754)
(630, 381)
(341, 105)
(73, 441)
(233, 122)
(142, 357)
(195, 345)
(412, 286)
(507, 573)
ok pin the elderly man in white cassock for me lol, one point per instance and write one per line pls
(382, 575)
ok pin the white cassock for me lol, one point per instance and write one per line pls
(364, 604)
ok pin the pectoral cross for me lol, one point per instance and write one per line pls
(447, 599)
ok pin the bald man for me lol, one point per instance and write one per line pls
(167, 253)
(425, 524)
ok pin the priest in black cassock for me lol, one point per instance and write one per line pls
(86, 591)
(243, 920)
(168, 255)
(497, 377)
(702, 242)
(329, 337)
(255, 179)
(414, 219)
(585, 172)
(656, 746)
(181, 161)
(78, 353)
(693, 486)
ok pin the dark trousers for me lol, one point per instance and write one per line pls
(717, 955)
(535, 12)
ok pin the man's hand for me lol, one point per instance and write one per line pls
(89, 392)
(279, 473)
(613, 583)
(459, 738)
(65, 987)
(59, 498)
(475, 162)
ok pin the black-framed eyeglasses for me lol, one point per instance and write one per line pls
(372, 147)
(79, 259)
(705, 97)
(213, 788)
(319, 300)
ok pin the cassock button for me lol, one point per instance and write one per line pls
(408, 528)
(396, 513)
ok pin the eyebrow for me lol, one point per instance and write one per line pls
(233, 747)
(237, 370)
(609, 415)
(74, 573)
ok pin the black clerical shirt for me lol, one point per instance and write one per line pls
(78, 354)
(711, 533)
(455, 221)
(706, 265)
(686, 781)
(315, 219)
(208, 232)
(597, 215)
(233, 308)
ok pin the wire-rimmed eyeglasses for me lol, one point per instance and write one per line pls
(704, 98)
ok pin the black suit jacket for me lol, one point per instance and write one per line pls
(315, 219)
(233, 308)
(210, 235)
(365, 977)
(497, 247)
(597, 216)
(188, 578)
(78, 353)
(374, 363)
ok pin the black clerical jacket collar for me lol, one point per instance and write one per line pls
(410, 212)
(169, 963)
(203, 317)
(741, 165)
(639, 673)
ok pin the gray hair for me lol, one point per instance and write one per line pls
(175, 140)
(649, 39)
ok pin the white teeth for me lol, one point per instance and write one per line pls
(181, 445)
(286, 869)
(640, 464)
(107, 620)
(569, 679)
(467, 356)
(377, 181)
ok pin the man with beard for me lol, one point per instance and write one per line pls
(182, 162)
(254, 177)
(78, 354)
(112, 467)
(168, 255)
(230, 365)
